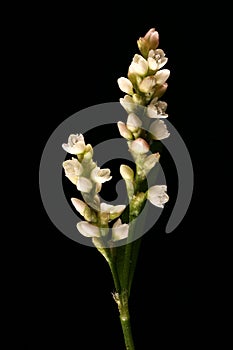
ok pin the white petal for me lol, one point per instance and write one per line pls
(153, 65)
(133, 122)
(124, 131)
(157, 195)
(84, 184)
(147, 84)
(79, 205)
(139, 65)
(88, 230)
(127, 103)
(158, 129)
(100, 175)
(125, 85)
(150, 161)
(161, 76)
(119, 231)
(105, 207)
(152, 112)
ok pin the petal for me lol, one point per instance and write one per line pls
(124, 131)
(127, 103)
(157, 195)
(158, 130)
(79, 205)
(88, 230)
(125, 85)
(84, 184)
(126, 172)
(161, 76)
(119, 231)
(133, 122)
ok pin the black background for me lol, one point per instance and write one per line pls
(75, 57)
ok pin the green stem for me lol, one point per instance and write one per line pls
(125, 320)
(115, 276)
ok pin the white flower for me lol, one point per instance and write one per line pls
(147, 84)
(112, 209)
(133, 122)
(161, 76)
(124, 131)
(158, 130)
(84, 184)
(126, 172)
(156, 109)
(157, 195)
(127, 103)
(139, 146)
(156, 59)
(125, 85)
(100, 175)
(138, 66)
(150, 161)
(119, 231)
(73, 169)
(75, 145)
(88, 230)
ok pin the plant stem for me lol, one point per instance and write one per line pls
(125, 320)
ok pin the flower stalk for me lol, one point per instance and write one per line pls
(111, 231)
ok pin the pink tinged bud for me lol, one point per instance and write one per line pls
(88, 230)
(158, 130)
(124, 131)
(139, 146)
(150, 41)
(147, 84)
(157, 195)
(84, 184)
(133, 122)
(161, 76)
(125, 85)
(119, 231)
(126, 172)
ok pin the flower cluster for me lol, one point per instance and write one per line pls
(83, 172)
(145, 84)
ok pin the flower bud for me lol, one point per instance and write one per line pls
(88, 230)
(126, 172)
(133, 122)
(139, 66)
(127, 103)
(147, 84)
(149, 42)
(139, 146)
(161, 76)
(160, 90)
(125, 85)
(124, 131)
